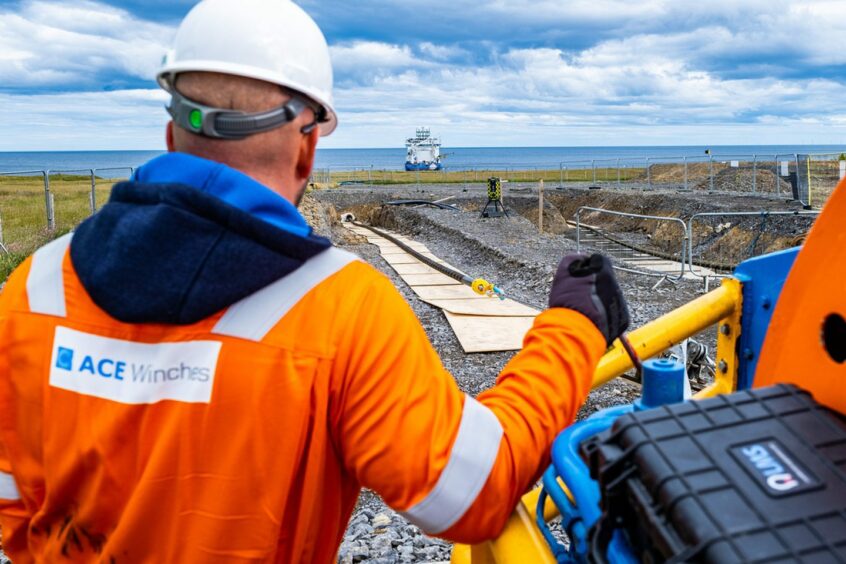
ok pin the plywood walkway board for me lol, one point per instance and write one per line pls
(479, 334)
(412, 268)
(481, 323)
(452, 292)
(490, 307)
(386, 247)
(399, 259)
(424, 280)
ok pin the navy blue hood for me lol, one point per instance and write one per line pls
(175, 253)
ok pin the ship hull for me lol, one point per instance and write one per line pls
(411, 167)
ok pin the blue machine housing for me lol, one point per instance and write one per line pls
(763, 279)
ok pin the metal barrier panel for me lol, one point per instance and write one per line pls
(645, 244)
(27, 213)
(79, 193)
(670, 172)
(719, 241)
(825, 171)
(71, 190)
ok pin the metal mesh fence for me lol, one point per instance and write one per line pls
(720, 241)
(24, 208)
(646, 244)
(36, 204)
(819, 176)
(806, 178)
(77, 194)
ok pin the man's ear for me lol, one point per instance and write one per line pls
(305, 159)
(169, 137)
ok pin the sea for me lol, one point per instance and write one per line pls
(464, 158)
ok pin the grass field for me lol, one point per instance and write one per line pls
(23, 212)
(386, 177)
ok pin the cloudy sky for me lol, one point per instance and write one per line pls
(78, 74)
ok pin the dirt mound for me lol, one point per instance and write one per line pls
(674, 173)
(317, 215)
(326, 222)
(745, 179)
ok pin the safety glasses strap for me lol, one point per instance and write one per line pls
(231, 124)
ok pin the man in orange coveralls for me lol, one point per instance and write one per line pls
(193, 376)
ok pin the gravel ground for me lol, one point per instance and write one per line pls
(509, 253)
(512, 254)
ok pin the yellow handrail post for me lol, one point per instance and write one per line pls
(521, 541)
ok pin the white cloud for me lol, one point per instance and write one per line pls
(125, 119)
(371, 56)
(65, 44)
(442, 52)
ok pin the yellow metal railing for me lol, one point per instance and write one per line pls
(521, 541)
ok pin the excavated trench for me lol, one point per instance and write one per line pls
(512, 254)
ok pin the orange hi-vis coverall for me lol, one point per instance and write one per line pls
(247, 436)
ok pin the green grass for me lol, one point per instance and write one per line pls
(387, 177)
(8, 263)
(24, 216)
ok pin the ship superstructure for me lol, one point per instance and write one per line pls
(423, 151)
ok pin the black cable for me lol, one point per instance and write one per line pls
(422, 203)
(454, 274)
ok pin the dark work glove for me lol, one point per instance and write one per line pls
(587, 284)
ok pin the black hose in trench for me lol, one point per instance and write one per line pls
(443, 269)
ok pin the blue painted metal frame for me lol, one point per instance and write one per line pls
(763, 279)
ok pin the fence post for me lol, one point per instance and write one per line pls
(93, 192)
(648, 174)
(2, 242)
(370, 176)
(755, 173)
(579, 230)
(593, 168)
(48, 200)
(540, 207)
(711, 172)
(685, 174)
(561, 175)
(618, 173)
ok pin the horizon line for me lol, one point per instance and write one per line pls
(465, 147)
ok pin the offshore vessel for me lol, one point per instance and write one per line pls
(423, 151)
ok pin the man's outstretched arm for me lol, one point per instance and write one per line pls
(455, 465)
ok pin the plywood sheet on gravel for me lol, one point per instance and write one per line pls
(423, 280)
(489, 307)
(452, 292)
(412, 268)
(478, 334)
(481, 323)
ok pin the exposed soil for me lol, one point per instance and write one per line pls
(512, 253)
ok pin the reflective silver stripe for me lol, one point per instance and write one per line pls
(45, 286)
(470, 462)
(254, 316)
(8, 489)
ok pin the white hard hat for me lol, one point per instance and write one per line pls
(270, 40)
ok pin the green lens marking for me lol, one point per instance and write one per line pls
(196, 119)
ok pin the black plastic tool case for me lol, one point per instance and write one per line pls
(757, 476)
